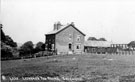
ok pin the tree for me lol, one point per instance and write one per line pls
(26, 48)
(92, 38)
(39, 47)
(102, 39)
(43, 47)
(7, 45)
(9, 41)
(132, 44)
(2, 34)
(6, 51)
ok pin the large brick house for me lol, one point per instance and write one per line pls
(65, 39)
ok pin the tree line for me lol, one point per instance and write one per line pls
(9, 48)
(27, 49)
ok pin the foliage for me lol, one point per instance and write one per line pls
(43, 47)
(9, 41)
(132, 44)
(2, 34)
(7, 45)
(95, 39)
(6, 51)
(102, 39)
(92, 38)
(26, 48)
(39, 47)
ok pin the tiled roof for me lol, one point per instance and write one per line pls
(62, 28)
(97, 43)
(56, 31)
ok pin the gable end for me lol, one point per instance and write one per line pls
(73, 27)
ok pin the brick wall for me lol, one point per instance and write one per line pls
(67, 36)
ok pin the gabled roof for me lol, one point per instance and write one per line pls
(97, 43)
(63, 28)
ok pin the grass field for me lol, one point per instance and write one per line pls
(71, 68)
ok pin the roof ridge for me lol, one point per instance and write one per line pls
(64, 27)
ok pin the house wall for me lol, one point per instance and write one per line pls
(69, 35)
(50, 42)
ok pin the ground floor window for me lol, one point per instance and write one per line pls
(78, 46)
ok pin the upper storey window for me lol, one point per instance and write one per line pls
(78, 38)
(70, 36)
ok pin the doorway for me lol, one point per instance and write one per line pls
(70, 46)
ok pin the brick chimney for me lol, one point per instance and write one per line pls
(57, 26)
(72, 23)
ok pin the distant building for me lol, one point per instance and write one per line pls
(98, 47)
(65, 39)
(123, 47)
(120, 46)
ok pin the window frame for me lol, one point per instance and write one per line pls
(78, 38)
(70, 36)
(78, 46)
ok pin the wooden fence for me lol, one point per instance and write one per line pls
(109, 51)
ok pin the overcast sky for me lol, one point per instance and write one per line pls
(29, 20)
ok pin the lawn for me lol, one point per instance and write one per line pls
(71, 68)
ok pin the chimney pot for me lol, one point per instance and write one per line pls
(72, 23)
(57, 26)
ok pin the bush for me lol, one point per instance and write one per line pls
(6, 51)
(26, 49)
(39, 47)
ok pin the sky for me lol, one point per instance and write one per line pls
(30, 20)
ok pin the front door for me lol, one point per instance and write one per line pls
(70, 48)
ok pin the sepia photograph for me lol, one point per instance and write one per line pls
(67, 41)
